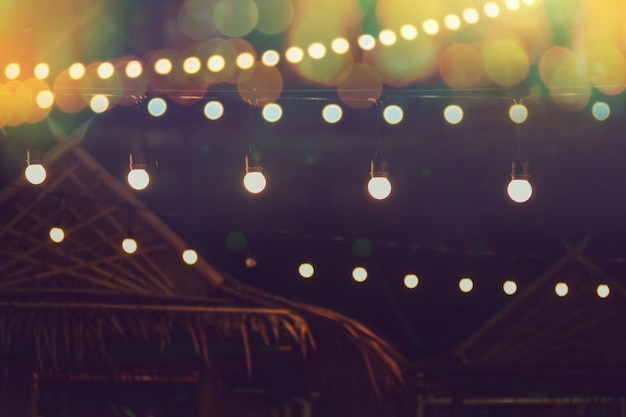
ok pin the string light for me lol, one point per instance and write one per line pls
(603, 290)
(519, 189)
(466, 284)
(56, 234)
(509, 287)
(190, 256)
(138, 177)
(129, 245)
(359, 274)
(35, 172)
(411, 281)
(561, 289)
(379, 186)
(254, 181)
(306, 270)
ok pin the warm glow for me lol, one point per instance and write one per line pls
(408, 32)
(317, 50)
(387, 37)
(359, 274)
(42, 70)
(518, 113)
(163, 66)
(603, 291)
(294, 54)
(270, 58)
(133, 69)
(56, 234)
(411, 281)
(379, 187)
(190, 256)
(138, 179)
(192, 65)
(12, 71)
(466, 284)
(45, 99)
(430, 27)
(393, 114)
(157, 107)
(471, 16)
(332, 113)
(129, 245)
(453, 114)
(216, 63)
(105, 70)
(492, 9)
(452, 22)
(35, 173)
(340, 46)
(306, 270)
(366, 42)
(77, 71)
(512, 4)
(519, 190)
(245, 60)
(254, 182)
(213, 110)
(272, 112)
(99, 103)
(509, 287)
(561, 289)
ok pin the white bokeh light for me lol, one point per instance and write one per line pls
(138, 179)
(359, 274)
(35, 173)
(254, 182)
(379, 187)
(561, 289)
(129, 245)
(466, 284)
(190, 256)
(306, 270)
(519, 190)
(56, 234)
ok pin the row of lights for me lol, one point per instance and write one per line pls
(466, 284)
(128, 245)
(294, 54)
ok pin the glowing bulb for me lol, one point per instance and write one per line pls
(603, 291)
(35, 173)
(216, 63)
(105, 70)
(471, 16)
(512, 4)
(379, 187)
(134, 69)
(12, 71)
(411, 281)
(519, 190)
(317, 50)
(129, 245)
(561, 289)
(77, 71)
(431, 27)
(270, 58)
(254, 182)
(294, 54)
(42, 70)
(366, 42)
(191, 65)
(509, 287)
(138, 178)
(387, 37)
(408, 32)
(163, 66)
(452, 22)
(99, 103)
(340, 46)
(306, 270)
(466, 284)
(359, 274)
(492, 9)
(45, 99)
(57, 234)
(190, 256)
(245, 60)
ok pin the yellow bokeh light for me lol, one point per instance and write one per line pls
(216, 63)
(561, 289)
(306, 270)
(411, 281)
(387, 37)
(509, 287)
(408, 32)
(317, 50)
(359, 274)
(366, 42)
(133, 69)
(491, 9)
(99, 103)
(340, 46)
(213, 110)
(236, 18)
(245, 60)
(452, 21)
(466, 284)
(77, 71)
(603, 290)
(163, 66)
(12, 71)
(270, 58)
(294, 54)
(272, 112)
(332, 113)
(529, 2)
(430, 27)
(512, 4)
(393, 114)
(506, 61)
(606, 68)
(45, 99)
(42, 70)
(453, 114)
(192, 65)
(129, 245)
(461, 66)
(471, 15)
(56, 234)
(518, 113)
(190, 256)
(105, 70)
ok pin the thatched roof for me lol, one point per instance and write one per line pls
(76, 296)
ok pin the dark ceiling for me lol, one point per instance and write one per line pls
(448, 215)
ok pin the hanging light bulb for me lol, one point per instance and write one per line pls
(138, 177)
(519, 189)
(35, 172)
(57, 234)
(379, 185)
(254, 181)
(129, 245)
(190, 256)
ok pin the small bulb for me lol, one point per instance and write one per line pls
(138, 179)
(359, 274)
(509, 287)
(520, 190)
(190, 256)
(411, 281)
(35, 173)
(379, 187)
(254, 182)
(129, 245)
(57, 234)
(306, 270)
(561, 289)
(603, 290)
(466, 284)
(251, 262)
